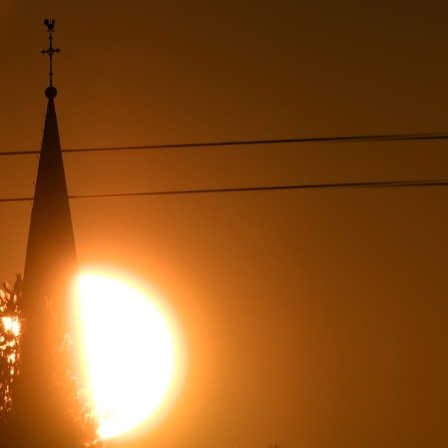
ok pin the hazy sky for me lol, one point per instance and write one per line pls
(312, 318)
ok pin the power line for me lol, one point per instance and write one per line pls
(381, 184)
(353, 138)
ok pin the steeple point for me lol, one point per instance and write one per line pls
(50, 92)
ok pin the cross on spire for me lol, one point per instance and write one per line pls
(49, 23)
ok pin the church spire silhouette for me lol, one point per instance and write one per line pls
(39, 415)
(51, 254)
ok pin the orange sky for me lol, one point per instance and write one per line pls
(312, 318)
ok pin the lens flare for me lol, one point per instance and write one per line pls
(130, 356)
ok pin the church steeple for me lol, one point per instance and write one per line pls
(51, 254)
(39, 409)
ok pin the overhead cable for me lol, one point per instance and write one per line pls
(380, 184)
(352, 138)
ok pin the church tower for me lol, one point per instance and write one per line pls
(51, 254)
(42, 409)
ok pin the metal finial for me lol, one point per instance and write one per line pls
(49, 23)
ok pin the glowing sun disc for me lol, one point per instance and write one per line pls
(129, 353)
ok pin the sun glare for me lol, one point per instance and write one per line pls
(130, 356)
(11, 324)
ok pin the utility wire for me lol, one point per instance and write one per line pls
(352, 138)
(382, 184)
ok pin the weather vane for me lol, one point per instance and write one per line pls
(49, 23)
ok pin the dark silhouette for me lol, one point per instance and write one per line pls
(47, 408)
(49, 23)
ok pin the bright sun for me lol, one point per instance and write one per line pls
(130, 356)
